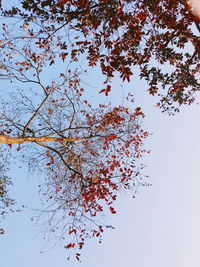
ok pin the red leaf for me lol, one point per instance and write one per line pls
(70, 245)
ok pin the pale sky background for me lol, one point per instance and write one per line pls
(160, 228)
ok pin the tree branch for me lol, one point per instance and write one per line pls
(34, 115)
(6, 139)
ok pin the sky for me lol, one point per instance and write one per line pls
(159, 228)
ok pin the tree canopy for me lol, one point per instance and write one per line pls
(87, 151)
(118, 36)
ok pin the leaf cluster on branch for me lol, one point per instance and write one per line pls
(152, 35)
(87, 152)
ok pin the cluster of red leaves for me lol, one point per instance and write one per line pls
(121, 34)
(99, 166)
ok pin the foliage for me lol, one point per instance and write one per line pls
(5, 201)
(89, 152)
(118, 35)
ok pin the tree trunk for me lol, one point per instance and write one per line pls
(6, 139)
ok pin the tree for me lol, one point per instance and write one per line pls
(90, 152)
(5, 201)
(118, 36)
(87, 153)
